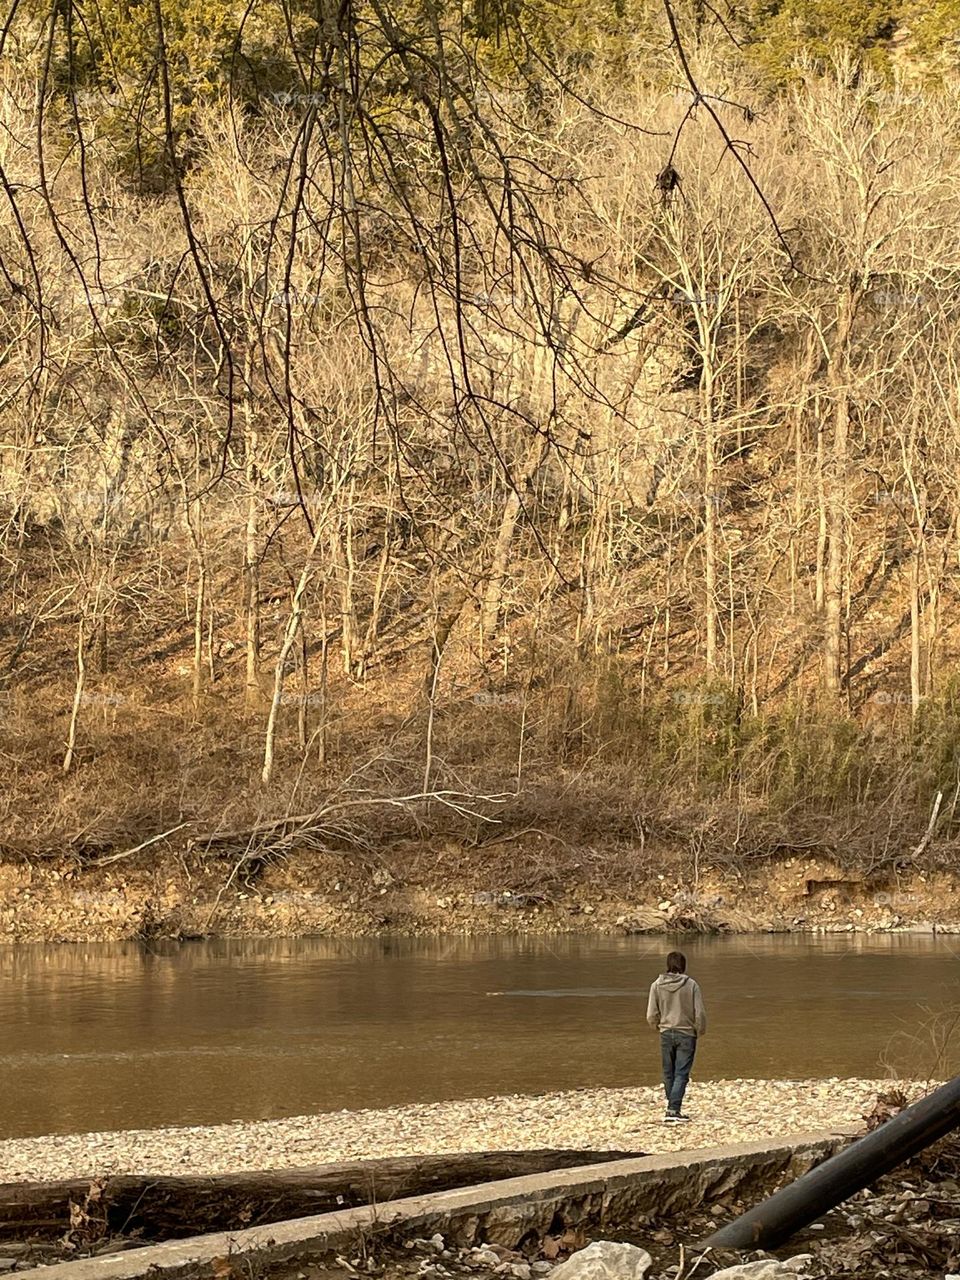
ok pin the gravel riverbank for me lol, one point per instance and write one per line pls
(625, 1119)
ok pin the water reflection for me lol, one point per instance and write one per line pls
(126, 1036)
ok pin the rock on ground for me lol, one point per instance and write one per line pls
(765, 1269)
(605, 1260)
(723, 1111)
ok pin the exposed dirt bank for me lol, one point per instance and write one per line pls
(525, 885)
(722, 1111)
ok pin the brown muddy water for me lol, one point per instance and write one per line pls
(124, 1036)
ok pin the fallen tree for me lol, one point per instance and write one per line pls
(159, 1208)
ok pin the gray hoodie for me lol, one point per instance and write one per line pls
(676, 1004)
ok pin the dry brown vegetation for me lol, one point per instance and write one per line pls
(482, 465)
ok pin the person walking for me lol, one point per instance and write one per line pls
(675, 1009)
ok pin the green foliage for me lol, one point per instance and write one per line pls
(564, 36)
(111, 58)
(934, 33)
(785, 34)
(935, 745)
(107, 54)
(198, 37)
(699, 731)
(806, 754)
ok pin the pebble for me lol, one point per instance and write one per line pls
(723, 1111)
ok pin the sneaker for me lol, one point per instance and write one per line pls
(679, 1118)
(671, 1117)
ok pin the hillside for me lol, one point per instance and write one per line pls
(452, 459)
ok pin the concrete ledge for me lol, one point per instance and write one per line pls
(506, 1212)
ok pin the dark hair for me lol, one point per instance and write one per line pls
(676, 962)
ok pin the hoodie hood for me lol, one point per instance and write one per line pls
(673, 981)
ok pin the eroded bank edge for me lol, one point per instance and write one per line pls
(499, 1212)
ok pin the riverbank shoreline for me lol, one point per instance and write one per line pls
(722, 1111)
(417, 890)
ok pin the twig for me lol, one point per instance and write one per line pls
(144, 844)
(301, 823)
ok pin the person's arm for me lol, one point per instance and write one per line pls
(699, 1012)
(653, 1008)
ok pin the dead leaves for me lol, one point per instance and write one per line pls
(569, 1242)
(885, 1107)
(89, 1220)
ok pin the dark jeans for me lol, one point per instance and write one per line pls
(677, 1050)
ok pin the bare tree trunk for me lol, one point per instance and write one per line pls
(833, 581)
(740, 374)
(836, 495)
(370, 640)
(915, 690)
(667, 597)
(283, 658)
(431, 713)
(77, 697)
(211, 662)
(303, 655)
(342, 557)
(709, 522)
(198, 615)
(820, 594)
(497, 572)
(100, 646)
(441, 634)
(797, 509)
(592, 555)
(732, 674)
(251, 576)
(324, 667)
(195, 528)
(444, 624)
(799, 413)
(932, 618)
(585, 608)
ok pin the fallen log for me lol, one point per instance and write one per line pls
(165, 1208)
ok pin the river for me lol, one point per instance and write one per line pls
(125, 1036)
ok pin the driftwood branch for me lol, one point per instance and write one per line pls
(313, 830)
(931, 826)
(276, 836)
(144, 844)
